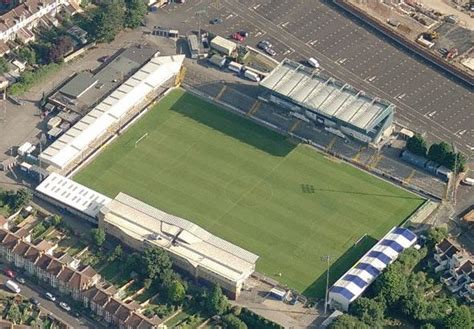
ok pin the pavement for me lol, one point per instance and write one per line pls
(29, 290)
(428, 100)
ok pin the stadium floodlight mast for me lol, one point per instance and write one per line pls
(326, 258)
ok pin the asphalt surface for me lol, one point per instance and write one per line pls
(427, 99)
(29, 290)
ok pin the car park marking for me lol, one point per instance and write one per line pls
(461, 132)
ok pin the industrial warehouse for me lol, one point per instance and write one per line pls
(203, 255)
(314, 97)
(110, 115)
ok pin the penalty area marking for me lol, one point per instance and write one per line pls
(145, 135)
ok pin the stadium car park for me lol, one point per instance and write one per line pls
(427, 100)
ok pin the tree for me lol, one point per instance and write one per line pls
(56, 220)
(436, 235)
(391, 284)
(135, 12)
(98, 236)
(427, 326)
(108, 20)
(3, 65)
(117, 253)
(459, 318)
(176, 292)
(410, 257)
(346, 321)
(417, 145)
(455, 161)
(230, 321)
(156, 262)
(216, 303)
(18, 199)
(14, 314)
(370, 311)
(27, 54)
(438, 152)
(61, 48)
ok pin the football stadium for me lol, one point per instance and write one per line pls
(285, 202)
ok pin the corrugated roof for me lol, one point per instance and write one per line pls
(72, 194)
(108, 113)
(328, 96)
(179, 236)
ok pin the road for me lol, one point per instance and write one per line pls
(29, 290)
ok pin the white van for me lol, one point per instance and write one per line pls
(468, 181)
(12, 286)
(252, 76)
(313, 62)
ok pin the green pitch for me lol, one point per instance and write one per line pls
(286, 203)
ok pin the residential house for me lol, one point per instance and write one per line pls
(458, 265)
(17, 24)
(40, 262)
(102, 301)
(444, 252)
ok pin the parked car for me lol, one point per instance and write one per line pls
(104, 59)
(313, 62)
(236, 36)
(35, 302)
(216, 21)
(9, 273)
(20, 280)
(270, 51)
(244, 34)
(264, 44)
(50, 296)
(65, 306)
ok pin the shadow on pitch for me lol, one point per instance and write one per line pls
(233, 125)
(339, 267)
(304, 189)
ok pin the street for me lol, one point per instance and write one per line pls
(29, 290)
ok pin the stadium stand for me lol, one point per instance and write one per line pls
(193, 249)
(354, 282)
(113, 112)
(139, 225)
(314, 97)
(71, 196)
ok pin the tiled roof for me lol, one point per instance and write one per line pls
(112, 306)
(55, 267)
(21, 248)
(43, 261)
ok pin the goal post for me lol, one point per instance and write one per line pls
(145, 135)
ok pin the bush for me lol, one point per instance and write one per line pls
(417, 145)
(30, 78)
(230, 321)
